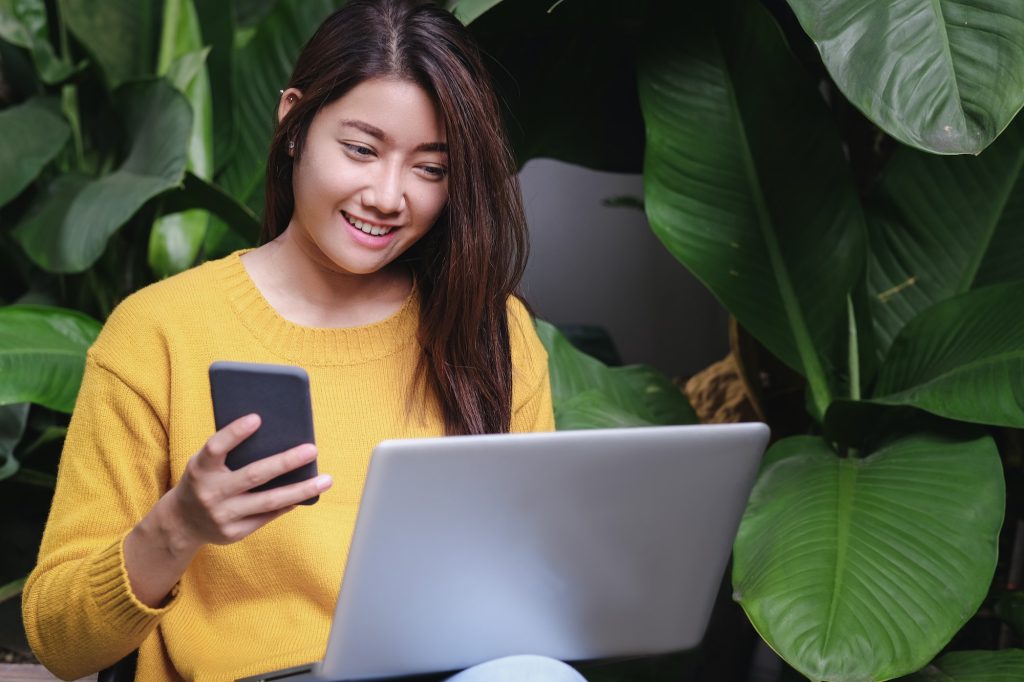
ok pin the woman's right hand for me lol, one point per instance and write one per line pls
(211, 504)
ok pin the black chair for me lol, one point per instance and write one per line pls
(122, 671)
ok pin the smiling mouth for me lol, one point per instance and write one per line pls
(367, 228)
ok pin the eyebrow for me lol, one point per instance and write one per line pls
(379, 134)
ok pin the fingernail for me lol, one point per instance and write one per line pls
(323, 482)
(309, 452)
(250, 420)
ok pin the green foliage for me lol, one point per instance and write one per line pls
(469, 10)
(119, 35)
(74, 218)
(963, 358)
(123, 126)
(31, 135)
(974, 666)
(587, 394)
(176, 237)
(1011, 609)
(725, 186)
(852, 583)
(11, 590)
(23, 23)
(941, 226)
(944, 76)
(42, 354)
(889, 281)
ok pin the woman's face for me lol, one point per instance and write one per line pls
(372, 176)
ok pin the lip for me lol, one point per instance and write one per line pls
(369, 240)
(346, 215)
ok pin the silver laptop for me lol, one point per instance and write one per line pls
(577, 545)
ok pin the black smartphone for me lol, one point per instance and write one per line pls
(279, 394)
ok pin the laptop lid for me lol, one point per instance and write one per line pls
(573, 544)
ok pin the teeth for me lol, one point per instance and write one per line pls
(375, 230)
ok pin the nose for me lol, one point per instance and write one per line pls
(386, 190)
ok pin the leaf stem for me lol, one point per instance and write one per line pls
(62, 31)
(805, 347)
(11, 589)
(69, 105)
(40, 479)
(51, 433)
(102, 298)
(853, 349)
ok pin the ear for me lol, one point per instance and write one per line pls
(289, 98)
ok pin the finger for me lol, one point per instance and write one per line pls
(228, 438)
(259, 472)
(250, 524)
(254, 504)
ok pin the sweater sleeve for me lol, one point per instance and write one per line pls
(79, 611)
(531, 388)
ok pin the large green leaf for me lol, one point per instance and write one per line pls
(223, 238)
(974, 666)
(70, 226)
(862, 569)
(197, 193)
(176, 238)
(217, 21)
(962, 359)
(23, 23)
(262, 68)
(594, 410)
(31, 134)
(120, 34)
(746, 184)
(941, 226)
(175, 241)
(946, 76)
(468, 10)
(587, 394)
(42, 354)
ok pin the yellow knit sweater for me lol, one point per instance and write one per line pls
(144, 409)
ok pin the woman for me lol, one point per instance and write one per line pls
(394, 242)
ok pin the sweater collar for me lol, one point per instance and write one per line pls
(313, 345)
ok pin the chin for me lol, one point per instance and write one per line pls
(359, 269)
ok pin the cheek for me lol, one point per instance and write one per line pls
(432, 201)
(317, 179)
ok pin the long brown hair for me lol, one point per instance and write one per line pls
(473, 258)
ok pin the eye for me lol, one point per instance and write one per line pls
(357, 150)
(434, 172)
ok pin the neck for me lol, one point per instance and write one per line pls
(306, 288)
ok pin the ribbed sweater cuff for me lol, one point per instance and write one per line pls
(113, 597)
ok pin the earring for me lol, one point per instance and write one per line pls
(291, 146)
